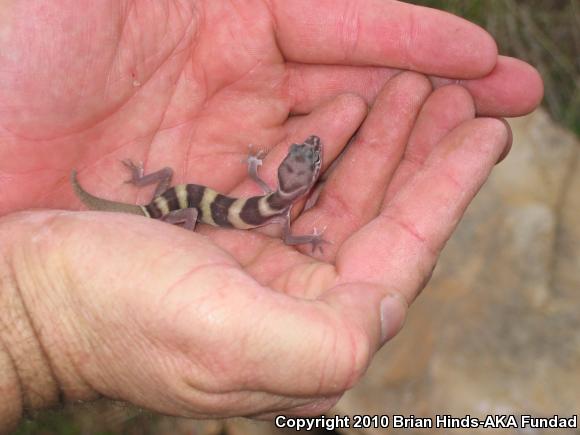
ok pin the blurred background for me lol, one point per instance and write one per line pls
(545, 33)
(497, 331)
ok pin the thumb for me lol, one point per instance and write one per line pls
(146, 312)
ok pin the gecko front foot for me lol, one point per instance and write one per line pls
(254, 161)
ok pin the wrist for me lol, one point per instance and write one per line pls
(35, 371)
(27, 382)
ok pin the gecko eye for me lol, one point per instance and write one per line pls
(317, 156)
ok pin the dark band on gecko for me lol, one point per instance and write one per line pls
(191, 203)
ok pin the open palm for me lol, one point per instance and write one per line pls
(190, 85)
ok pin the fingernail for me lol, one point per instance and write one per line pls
(508, 145)
(393, 311)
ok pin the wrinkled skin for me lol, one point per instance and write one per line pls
(201, 324)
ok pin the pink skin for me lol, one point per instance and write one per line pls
(207, 320)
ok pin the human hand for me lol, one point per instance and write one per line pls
(237, 323)
(190, 85)
(167, 319)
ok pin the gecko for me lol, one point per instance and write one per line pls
(188, 204)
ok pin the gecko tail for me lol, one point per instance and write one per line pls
(101, 204)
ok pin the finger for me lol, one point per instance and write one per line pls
(354, 191)
(309, 85)
(399, 248)
(385, 33)
(445, 109)
(512, 88)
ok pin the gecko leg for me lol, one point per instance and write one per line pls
(253, 161)
(185, 216)
(162, 177)
(316, 241)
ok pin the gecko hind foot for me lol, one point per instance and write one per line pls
(138, 178)
(137, 171)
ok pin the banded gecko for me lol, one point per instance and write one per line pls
(190, 203)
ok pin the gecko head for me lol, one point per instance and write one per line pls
(300, 169)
